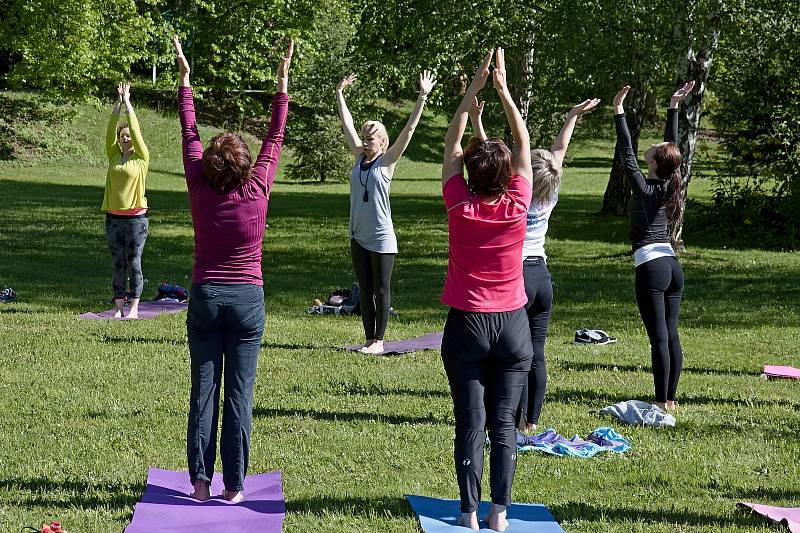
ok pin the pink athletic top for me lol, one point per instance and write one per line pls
(484, 266)
(229, 227)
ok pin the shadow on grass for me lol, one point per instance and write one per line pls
(587, 511)
(57, 252)
(67, 494)
(376, 389)
(334, 416)
(591, 367)
(603, 398)
(324, 506)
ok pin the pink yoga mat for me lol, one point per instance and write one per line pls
(788, 516)
(775, 371)
(167, 507)
(147, 309)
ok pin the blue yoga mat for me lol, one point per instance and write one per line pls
(439, 516)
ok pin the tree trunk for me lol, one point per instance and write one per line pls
(520, 78)
(615, 199)
(693, 66)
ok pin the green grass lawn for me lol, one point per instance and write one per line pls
(88, 406)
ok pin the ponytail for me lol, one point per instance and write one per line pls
(674, 199)
(668, 161)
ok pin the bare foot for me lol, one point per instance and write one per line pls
(530, 429)
(469, 521)
(497, 518)
(367, 344)
(233, 496)
(671, 405)
(661, 405)
(119, 305)
(202, 490)
(133, 312)
(375, 348)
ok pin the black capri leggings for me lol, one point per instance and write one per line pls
(374, 273)
(486, 357)
(539, 290)
(659, 288)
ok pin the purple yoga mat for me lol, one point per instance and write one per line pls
(788, 516)
(431, 341)
(147, 309)
(776, 371)
(167, 507)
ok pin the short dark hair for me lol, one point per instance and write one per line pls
(227, 161)
(488, 165)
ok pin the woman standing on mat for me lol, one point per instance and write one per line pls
(547, 168)
(486, 347)
(373, 245)
(228, 197)
(654, 206)
(124, 202)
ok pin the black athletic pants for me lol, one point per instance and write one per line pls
(539, 290)
(374, 273)
(659, 288)
(486, 357)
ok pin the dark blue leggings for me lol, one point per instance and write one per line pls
(225, 325)
(539, 290)
(486, 357)
(659, 289)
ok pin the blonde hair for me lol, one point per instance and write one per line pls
(373, 127)
(546, 176)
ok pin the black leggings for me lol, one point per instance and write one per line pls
(539, 290)
(486, 357)
(659, 288)
(374, 273)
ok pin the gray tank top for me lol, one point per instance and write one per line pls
(370, 213)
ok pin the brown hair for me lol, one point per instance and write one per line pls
(488, 166)
(121, 126)
(546, 176)
(668, 159)
(227, 161)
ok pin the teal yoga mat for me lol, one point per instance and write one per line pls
(439, 516)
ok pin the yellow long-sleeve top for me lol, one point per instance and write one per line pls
(125, 182)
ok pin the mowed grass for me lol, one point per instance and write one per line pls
(88, 406)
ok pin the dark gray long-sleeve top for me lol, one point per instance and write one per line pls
(648, 217)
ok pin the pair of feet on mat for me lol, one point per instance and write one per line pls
(119, 305)
(202, 492)
(373, 346)
(496, 519)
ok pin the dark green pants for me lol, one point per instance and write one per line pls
(225, 325)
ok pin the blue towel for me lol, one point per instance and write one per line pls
(603, 439)
(439, 516)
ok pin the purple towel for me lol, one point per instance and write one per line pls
(431, 341)
(167, 507)
(147, 309)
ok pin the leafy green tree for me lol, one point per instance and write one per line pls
(68, 46)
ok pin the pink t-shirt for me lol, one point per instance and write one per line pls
(484, 266)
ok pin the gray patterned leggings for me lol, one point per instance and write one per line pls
(126, 237)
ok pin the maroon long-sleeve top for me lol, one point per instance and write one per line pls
(229, 226)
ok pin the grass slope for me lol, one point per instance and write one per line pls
(88, 406)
